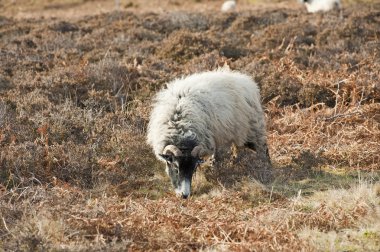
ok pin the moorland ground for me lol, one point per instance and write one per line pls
(76, 83)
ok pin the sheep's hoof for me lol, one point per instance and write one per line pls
(212, 161)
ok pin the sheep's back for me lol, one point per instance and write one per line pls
(217, 107)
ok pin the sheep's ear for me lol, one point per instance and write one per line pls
(167, 158)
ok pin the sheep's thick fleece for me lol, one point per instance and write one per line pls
(215, 109)
(314, 6)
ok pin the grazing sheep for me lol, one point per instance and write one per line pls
(313, 6)
(198, 115)
(228, 6)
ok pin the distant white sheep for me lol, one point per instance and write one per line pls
(228, 6)
(313, 6)
(196, 116)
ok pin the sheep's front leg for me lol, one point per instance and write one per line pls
(215, 157)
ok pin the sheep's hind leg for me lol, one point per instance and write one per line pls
(261, 151)
(264, 165)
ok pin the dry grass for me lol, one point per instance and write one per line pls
(64, 217)
(346, 206)
(76, 174)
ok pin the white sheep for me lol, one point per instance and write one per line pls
(228, 6)
(196, 116)
(314, 6)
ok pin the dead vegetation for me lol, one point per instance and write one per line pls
(76, 174)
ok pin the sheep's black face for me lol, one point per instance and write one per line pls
(180, 170)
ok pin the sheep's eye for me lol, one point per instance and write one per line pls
(175, 169)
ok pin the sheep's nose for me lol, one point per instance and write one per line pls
(185, 196)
